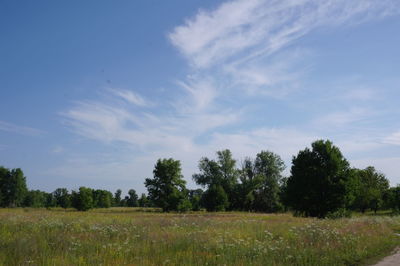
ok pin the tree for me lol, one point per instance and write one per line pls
(393, 198)
(50, 200)
(35, 199)
(371, 188)
(62, 197)
(102, 198)
(195, 197)
(317, 185)
(167, 188)
(82, 200)
(215, 198)
(221, 173)
(143, 201)
(268, 169)
(133, 198)
(13, 187)
(117, 198)
(245, 190)
(4, 172)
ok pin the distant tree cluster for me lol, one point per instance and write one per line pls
(14, 193)
(321, 184)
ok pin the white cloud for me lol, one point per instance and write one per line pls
(344, 118)
(130, 97)
(9, 127)
(57, 149)
(201, 93)
(108, 123)
(265, 26)
(361, 94)
(393, 138)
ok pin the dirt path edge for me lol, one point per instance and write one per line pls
(391, 260)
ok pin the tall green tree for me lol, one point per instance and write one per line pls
(62, 197)
(215, 198)
(133, 198)
(219, 173)
(393, 198)
(195, 197)
(13, 187)
(371, 189)
(117, 198)
(246, 188)
(268, 168)
(82, 200)
(143, 201)
(102, 198)
(4, 172)
(318, 181)
(167, 188)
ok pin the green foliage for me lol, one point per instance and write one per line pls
(167, 188)
(102, 198)
(144, 201)
(317, 185)
(35, 199)
(4, 172)
(195, 197)
(62, 197)
(268, 169)
(393, 198)
(245, 190)
(215, 198)
(12, 187)
(117, 198)
(370, 189)
(221, 172)
(50, 200)
(340, 213)
(83, 199)
(184, 205)
(132, 201)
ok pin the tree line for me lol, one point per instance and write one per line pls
(321, 184)
(14, 193)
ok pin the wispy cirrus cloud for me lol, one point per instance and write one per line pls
(243, 42)
(108, 122)
(393, 138)
(131, 97)
(243, 29)
(344, 118)
(24, 130)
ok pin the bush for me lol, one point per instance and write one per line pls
(340, 213)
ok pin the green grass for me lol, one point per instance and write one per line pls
(119, 236)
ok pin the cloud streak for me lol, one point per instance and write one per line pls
(30, 131)
(265, 26)
(131, 97)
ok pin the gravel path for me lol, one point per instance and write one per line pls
(392, 260)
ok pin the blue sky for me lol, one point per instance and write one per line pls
(94, 92)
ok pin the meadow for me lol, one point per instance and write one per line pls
(129, 236)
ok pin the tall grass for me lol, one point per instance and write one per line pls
(122, 236)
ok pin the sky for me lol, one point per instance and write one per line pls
(94, 92)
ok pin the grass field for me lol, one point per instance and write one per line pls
(119, 236)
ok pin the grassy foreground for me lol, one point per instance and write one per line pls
(120, 236)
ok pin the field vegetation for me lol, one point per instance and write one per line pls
(134, 236)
